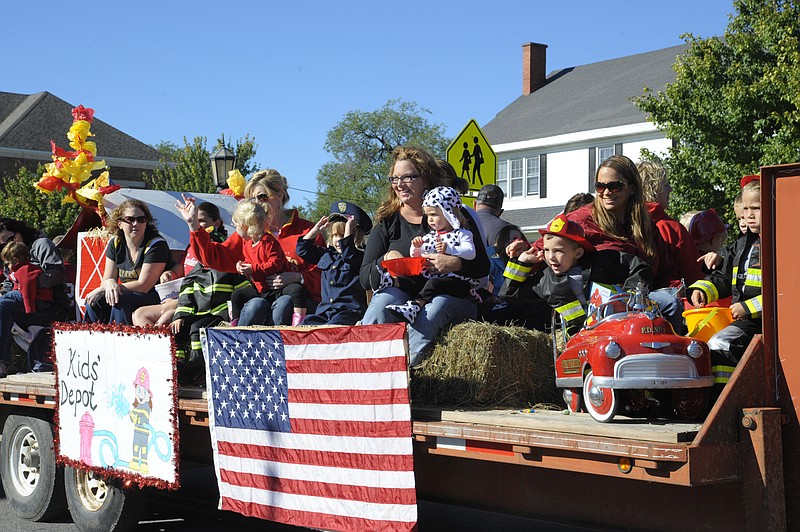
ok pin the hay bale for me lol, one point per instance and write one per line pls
(487, 365)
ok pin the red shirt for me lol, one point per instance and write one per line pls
(679, 244)
(224, 256)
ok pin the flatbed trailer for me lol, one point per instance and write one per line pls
(738, 470)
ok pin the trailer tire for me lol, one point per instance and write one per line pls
(97, 503)
(32, 481)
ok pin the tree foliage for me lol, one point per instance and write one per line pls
(188, 168)
(734, 106)
(22, 201)
(361, 145)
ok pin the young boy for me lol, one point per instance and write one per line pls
(739, 277)
(343, 299)
(573, 265)
(17, 257)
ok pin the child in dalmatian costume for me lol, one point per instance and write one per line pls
(442, 207)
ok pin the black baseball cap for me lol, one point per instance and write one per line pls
(491, 195)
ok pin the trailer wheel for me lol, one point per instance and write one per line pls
(600, 402)
(690, 404)
(32, 481)
(97, 503)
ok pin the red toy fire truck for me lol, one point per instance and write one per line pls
(628, 357)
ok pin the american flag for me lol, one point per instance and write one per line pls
(313, 427)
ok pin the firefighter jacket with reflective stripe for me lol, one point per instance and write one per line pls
(740, 276)
(205, 291)
(605, 267)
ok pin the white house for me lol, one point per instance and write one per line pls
(550, 140)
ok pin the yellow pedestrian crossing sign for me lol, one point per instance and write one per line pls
(473, 157)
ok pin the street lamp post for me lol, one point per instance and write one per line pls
(222, 162)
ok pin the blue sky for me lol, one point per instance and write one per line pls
(287, 72)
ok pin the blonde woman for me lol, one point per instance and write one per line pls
(267, 187)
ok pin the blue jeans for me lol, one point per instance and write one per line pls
(441, 312)
(670, 307)
(259, 311)
(101, 312)
(12, 310)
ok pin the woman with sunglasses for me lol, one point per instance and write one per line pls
(618, 219)
(46, 255)
(267, 186)
(399, 219)
(136, 257)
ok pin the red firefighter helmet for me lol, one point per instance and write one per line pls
(142, 379)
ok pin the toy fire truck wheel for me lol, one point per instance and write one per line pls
(600, 402)
(572, 396)
(690, 404)
(32, 481)
(99, 503)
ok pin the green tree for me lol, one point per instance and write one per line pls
(188, 168)
(734, 106)
(361, 145)
(23, 201)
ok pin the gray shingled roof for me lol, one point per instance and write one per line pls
(593, 96)
(532, 218)
(30, 122)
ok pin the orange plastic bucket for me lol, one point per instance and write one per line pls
(407, 266)
(703, 323)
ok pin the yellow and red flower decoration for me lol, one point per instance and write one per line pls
(72, 170)
(236, 184)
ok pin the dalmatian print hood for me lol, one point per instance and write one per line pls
(446, 199)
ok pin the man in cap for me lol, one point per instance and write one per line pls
(489, 206)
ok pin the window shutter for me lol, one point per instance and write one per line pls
(543, 175)
(618, 149)
(592, 167)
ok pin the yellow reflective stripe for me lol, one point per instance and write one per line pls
(722, 373)
(571, 311)
(184, 310)
(754, 306)
(180, 354)
(753, 277)
(517, 271)
(197, 346)
(708, 288)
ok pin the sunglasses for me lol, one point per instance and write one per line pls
(131, 219)
(613, 186)
(263, 198)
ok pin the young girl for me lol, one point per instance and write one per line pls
(343, 299)
(17, 258)
(442, 208)
(739, 277)
(263, 256)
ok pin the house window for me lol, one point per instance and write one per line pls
(520, 177)
(603, 153)
(502, 176)
(532, 175)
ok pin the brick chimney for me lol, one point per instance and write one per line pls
(534, 65)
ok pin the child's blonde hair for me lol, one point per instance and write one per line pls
(338, 227)
(14, 253)
(752, 186)
(253, 215)
(686, 218)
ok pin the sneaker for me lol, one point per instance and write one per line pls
(297, 319)
(408, 311)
